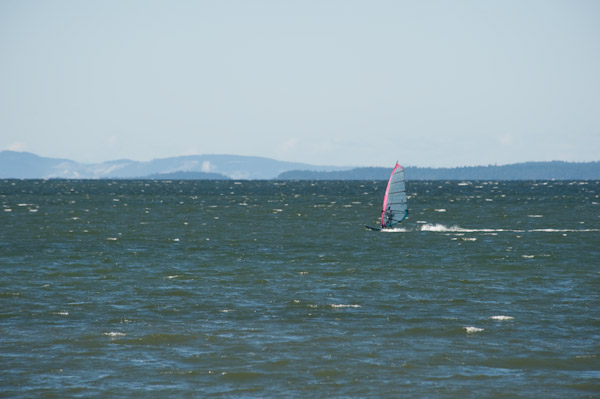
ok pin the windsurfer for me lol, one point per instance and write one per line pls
(389, 215)
(395, 208)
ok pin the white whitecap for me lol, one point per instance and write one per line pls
(471, 329)
(114, 334)
(62, 313)
(344, 306)
(438, 228)
(394, 230)
(501, 317)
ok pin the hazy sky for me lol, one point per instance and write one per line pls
(427, 83)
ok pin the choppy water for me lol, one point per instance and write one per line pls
(275, 289)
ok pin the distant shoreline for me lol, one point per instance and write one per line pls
(556, 170)
(24, 165)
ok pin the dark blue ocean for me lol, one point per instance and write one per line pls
(272, 289)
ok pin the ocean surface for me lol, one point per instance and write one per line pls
(266, 289)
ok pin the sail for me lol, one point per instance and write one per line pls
(395, 208)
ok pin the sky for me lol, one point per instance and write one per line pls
(326, 82)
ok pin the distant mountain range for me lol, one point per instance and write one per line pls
(24, 165)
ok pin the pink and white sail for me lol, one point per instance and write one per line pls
(395, 207)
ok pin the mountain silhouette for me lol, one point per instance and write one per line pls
(24, 165)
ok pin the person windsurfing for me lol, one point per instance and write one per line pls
(389, 216)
